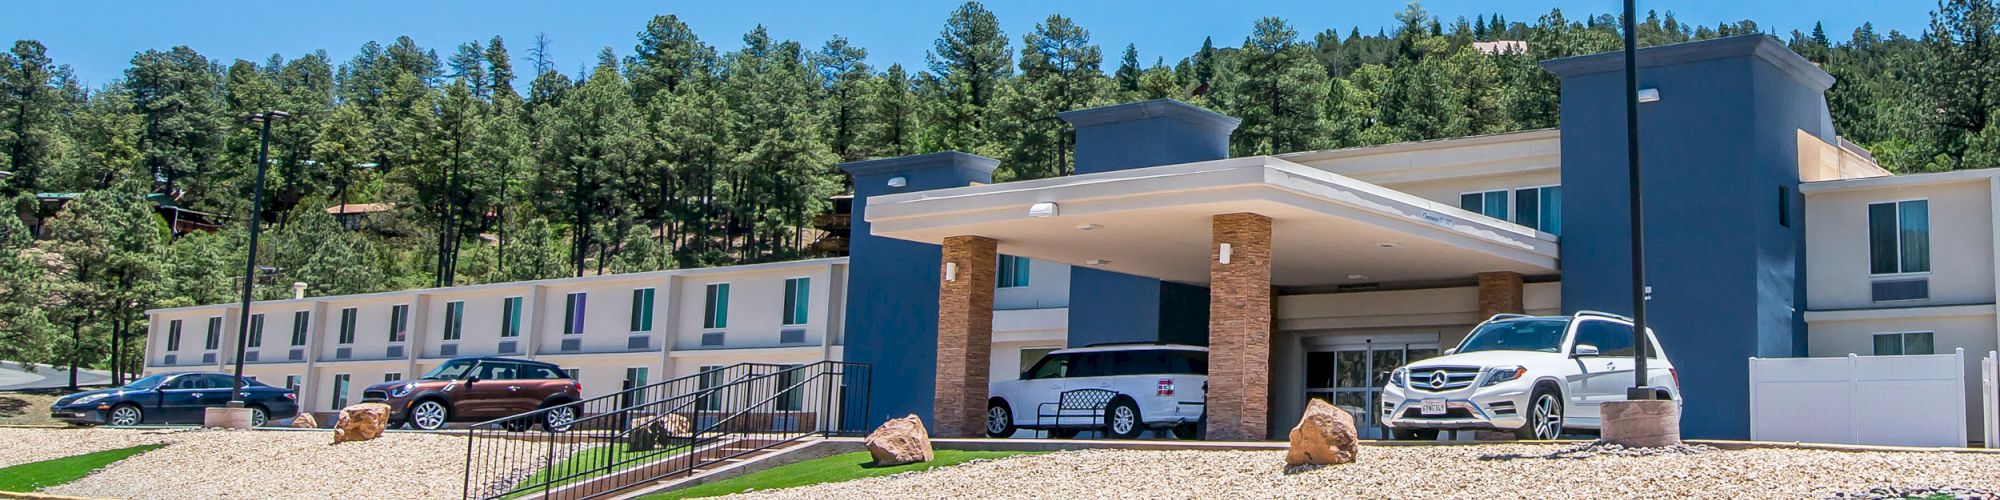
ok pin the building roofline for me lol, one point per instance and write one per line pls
(698, 271)
(1763, 46)
(1163, 107)
(949, 159)
(1898, 181)
(1402, 147)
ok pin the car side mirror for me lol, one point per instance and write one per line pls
(1451, 351)
(1584, 350)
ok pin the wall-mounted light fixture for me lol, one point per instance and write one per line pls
(1225, 253)
(1649, 95)
(1097, 262)
(1043, 209)
(951, 271)
(1087, 227)
(898, 181)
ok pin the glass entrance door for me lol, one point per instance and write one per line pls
(1351, 377)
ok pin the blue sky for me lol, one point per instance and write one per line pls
(98, 39)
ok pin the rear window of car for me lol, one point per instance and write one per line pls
(1139, 362)
(541, 372)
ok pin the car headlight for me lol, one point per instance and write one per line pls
(1396, 376)
(1500, 374)
(89, 399)
(401, 390)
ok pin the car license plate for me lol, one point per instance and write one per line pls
(1432, 407)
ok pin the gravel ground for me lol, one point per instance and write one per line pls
(1479, 471)
(202, 464)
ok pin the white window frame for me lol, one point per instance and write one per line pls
(1903, 339)
(301, 330)
(1508, 206)
(339, 400)
(349, 326)
(653, 310)
(215, 327)
(404, 326)
(392, 376)
(294, 382)
(1898, 203)
(1513, 198)
(724, 313)
(581, 321)
(781, 302)
(510, 323)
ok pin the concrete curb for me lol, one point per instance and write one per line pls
(38, 496)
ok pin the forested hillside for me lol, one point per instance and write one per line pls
(502, 164)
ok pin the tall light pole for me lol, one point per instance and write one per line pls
(250, 262)
(1639, 390)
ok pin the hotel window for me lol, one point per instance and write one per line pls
(711, 376)
(214, 334)
(510, 321)
(715, 312)
(300, 320)
(572, 373)
(1899, 237)
(291, 382)
(173, 335)
(454, 319)
(1539, 208)
(339, 391)
(399, 323)
(798, 295)
(642, 310)
(1490, 203)
(347, 317)
(635, 377)
(1013, 272)
(392, 377)
(257, 330)
(1899, 344)
(788, 378)
(573, 307)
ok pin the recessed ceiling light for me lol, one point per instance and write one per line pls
(1097, 262)
(1357, 276)
(1386, 244)
(1087, 227)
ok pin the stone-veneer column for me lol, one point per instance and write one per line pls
(965, 335)
(1239, 328)
(1499, 292)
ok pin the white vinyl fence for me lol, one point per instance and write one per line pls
(1989, 397)
(1874, 400)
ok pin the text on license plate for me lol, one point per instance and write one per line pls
(1432, 407)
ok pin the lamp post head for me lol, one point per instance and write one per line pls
(273, 115)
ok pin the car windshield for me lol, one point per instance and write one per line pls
(1538, 335)
(451, 370)
(146, 383)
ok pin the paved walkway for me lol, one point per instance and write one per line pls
(16, 377)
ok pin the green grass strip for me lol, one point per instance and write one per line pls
(842, 467)
(34, 476)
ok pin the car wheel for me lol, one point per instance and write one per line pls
(1186, 432)
(429, 415)
(1414, 434)
(999, 421)
(258, 416)
(126, 414)
(1545, 416)
(558, 419)
(1121, 420)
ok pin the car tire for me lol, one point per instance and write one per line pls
(1187, 432)
(1414, 434)
(559, 418)
(428, 415)
(1122, 420)
(999, 419)
(126, 414)
(1545, 416)
(258, 416)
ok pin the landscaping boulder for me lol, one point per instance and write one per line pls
(1324, 436)
(305, 421)
(900, 441)
(361, 422)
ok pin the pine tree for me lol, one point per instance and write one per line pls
(1277, 89)
(1128, 70)
(1060, 71)
(892, 108)
(843, 71)
(33, 102)
(968, 63)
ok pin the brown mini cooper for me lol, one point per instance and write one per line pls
(480, 389)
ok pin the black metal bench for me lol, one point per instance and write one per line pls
(1089, 401)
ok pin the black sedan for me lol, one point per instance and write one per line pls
(170, 398)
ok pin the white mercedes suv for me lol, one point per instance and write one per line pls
(1532, 375)
(1121, 389)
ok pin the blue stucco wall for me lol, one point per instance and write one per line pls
(1113, 307)
(1717, 151)
(892, 304)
